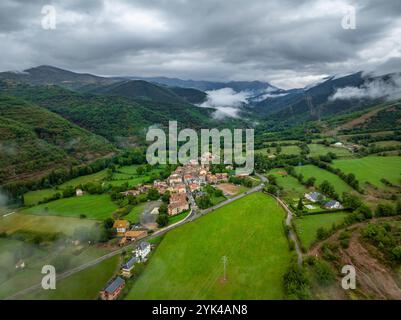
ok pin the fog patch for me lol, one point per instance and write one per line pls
(226, 102)
(389, 89)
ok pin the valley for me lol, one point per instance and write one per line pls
(78, 191)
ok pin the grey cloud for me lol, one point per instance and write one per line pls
(280, 41)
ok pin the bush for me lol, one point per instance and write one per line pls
(296, 283)
(162, 220)
(384, 210)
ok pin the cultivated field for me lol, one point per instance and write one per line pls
(307, 226)
(92, 206)
(188, 262)
(312, 171)
(372, 169)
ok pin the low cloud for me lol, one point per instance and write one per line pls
(389, 89)
(226, 101)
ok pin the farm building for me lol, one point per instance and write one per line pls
(113, 289)
(121, 227)
(127, 268)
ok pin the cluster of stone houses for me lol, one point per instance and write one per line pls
(113, 288)
(185, 181)
(317, 196)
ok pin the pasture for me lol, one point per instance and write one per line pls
(320, 174)
(372, 169)
(308, 225)
(188, 262)
(320, 150)
(84, 285)
(48, 224)
(98, 207)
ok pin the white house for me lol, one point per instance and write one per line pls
(313, 196)
(79, 192)
(333, 204)
(142, 250)
(126, 269)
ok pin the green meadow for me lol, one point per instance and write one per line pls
(320, 174)
(308, 225)
(292, 188)
(320, 150)
(188, 262)
(13, 280)
(372, 169)
(33, 197)
(97, 207)
(84, 285)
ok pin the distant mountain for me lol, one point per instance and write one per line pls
(33, 139)
(140, 89)
(190, 95)
(255, 86)
(45, 75)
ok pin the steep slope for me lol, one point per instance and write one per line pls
(113, 117)
(33, 139)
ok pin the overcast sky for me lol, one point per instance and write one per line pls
(288, 43)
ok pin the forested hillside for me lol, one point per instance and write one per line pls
(33, 139)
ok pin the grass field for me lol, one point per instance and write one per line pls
(308, 225)
(292, 188)
(35, 257)
(372, 169)
(92, 206)
(312, 171)
(33, 197)
(84, 285)
(320, 150)
(135, 213)
(66, 225)
(188, 262)
(128, 174)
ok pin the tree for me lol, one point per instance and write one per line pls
(300, 204)
(162, 220)
(166, 197)
(384, 210)
(365, 211)
(310, 182)
(204, 202)
(153, 194)
(351, 201)
(163, 208)
(272, 189)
